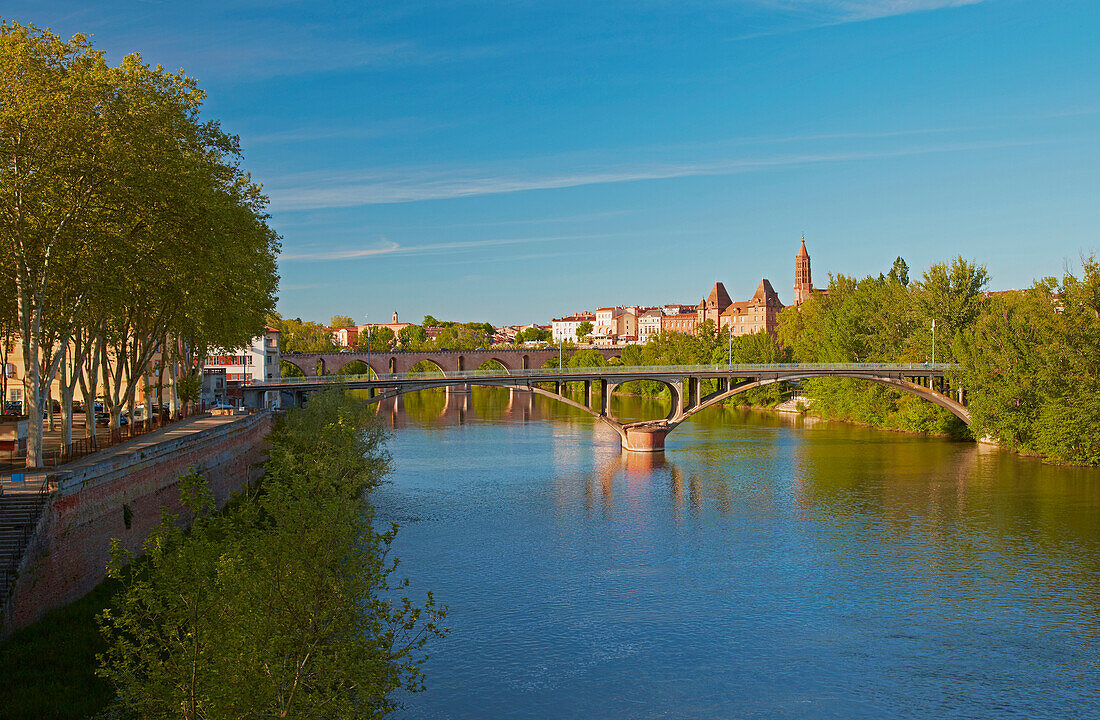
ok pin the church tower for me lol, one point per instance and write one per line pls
(803, 285)
(395, 314)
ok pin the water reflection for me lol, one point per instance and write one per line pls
(763, 566)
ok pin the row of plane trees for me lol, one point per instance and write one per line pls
(129, 232)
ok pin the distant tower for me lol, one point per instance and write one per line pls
(395, 312)
(803, 285)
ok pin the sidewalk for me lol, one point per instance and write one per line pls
(33, 478)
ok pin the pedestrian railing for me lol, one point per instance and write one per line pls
(104, 437)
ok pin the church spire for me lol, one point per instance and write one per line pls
(803, 285)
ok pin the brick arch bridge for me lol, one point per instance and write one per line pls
(399, 362)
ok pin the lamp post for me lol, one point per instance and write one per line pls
(367, 323)
(933, 341)
(730, 329)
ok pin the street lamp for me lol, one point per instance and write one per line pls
(729, 328)
(933, 341)
(367, 323)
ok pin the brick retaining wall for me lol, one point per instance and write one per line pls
(68, 554)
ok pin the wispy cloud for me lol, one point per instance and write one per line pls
(804, 15)
(857, 10)
(314, 191)
(391, 248)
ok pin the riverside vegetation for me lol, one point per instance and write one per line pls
(1029, 360)
(281, 605)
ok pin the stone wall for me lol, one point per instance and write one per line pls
(122, 497)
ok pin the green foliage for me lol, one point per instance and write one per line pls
(586, 358)
(189, 387)
(380, 339)
(298, 336)
(341, 321)
(584, 329)
(126, 220)
(286, 369)
(1031, 367)
(48, 667)
(532, 334)
(411, 337)
(883, 319)
(278, 606)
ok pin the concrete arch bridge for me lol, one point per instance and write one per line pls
(683, 381)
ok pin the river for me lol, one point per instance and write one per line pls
(764, 567)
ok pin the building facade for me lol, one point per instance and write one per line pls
(565, 329)
(760, 313)
(231, 370)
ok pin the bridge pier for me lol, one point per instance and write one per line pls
(605, 398)
(588, 393)
(644, 439)
(693, 391)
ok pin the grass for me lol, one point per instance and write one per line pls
(47, 670)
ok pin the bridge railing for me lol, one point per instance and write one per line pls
(551, 374)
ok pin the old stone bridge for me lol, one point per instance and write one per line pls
(396, 362)
(683, 382)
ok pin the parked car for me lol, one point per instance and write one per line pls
(103, 419)
(222, 405)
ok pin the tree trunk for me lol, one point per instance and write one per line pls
(31, 319)
(173, 376)
(66, 405)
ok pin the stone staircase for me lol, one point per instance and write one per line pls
(21, 505)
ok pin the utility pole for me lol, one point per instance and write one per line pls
(730, 329)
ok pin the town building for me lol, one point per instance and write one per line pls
(565, 329)
(679, 318)
(345, 336)
(615, 325)
(349, 336)
(712, 306)
(231, 370)
(760, 313)
(649, 324)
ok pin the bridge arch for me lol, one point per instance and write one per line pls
(675, 393)
(503, 366)
(287, 359)
(957, 409)
(427, 366)
(357, 366)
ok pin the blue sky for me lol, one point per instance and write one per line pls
(515, 160)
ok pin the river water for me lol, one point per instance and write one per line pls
(764, 567)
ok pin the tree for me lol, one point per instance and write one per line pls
(899, 273)
(299, 336)
(950, 295)
(281, 605)
(410, 337)
(584, 329)
(125, 221)
(340, 321)
(380, 339)
(430, 321)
